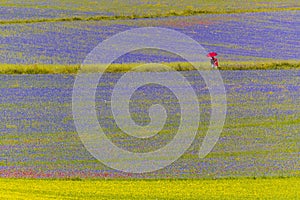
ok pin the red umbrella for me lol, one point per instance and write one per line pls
(212, 54)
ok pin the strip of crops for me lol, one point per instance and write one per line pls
(134, 16)
(117, 68)
(275, 188)
(33, 8)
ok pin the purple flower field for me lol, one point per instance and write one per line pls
(251, 36)
(260, 137)
(17, 13)
(38, 137)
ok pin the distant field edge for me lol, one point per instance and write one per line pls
(273, 188)
(171, 13)
(126, 67)
(154, 179)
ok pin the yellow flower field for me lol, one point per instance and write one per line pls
(243, 188)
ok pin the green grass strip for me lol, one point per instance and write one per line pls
(125, 67)
(261, 65)
(171, 13)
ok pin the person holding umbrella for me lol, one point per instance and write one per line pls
(214, 61)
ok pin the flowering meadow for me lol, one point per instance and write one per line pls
(44, 43)
(19, 13)
(151, 189)
(247, 36)
(260, 136)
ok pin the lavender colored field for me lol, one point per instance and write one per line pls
(260, 138)
(252, 36)
(13, 13)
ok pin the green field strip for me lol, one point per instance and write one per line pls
(173, 13)
(125, 67)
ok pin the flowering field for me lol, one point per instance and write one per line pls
(281, 189)
(252, 36)
(257, 155)
(260, 136)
